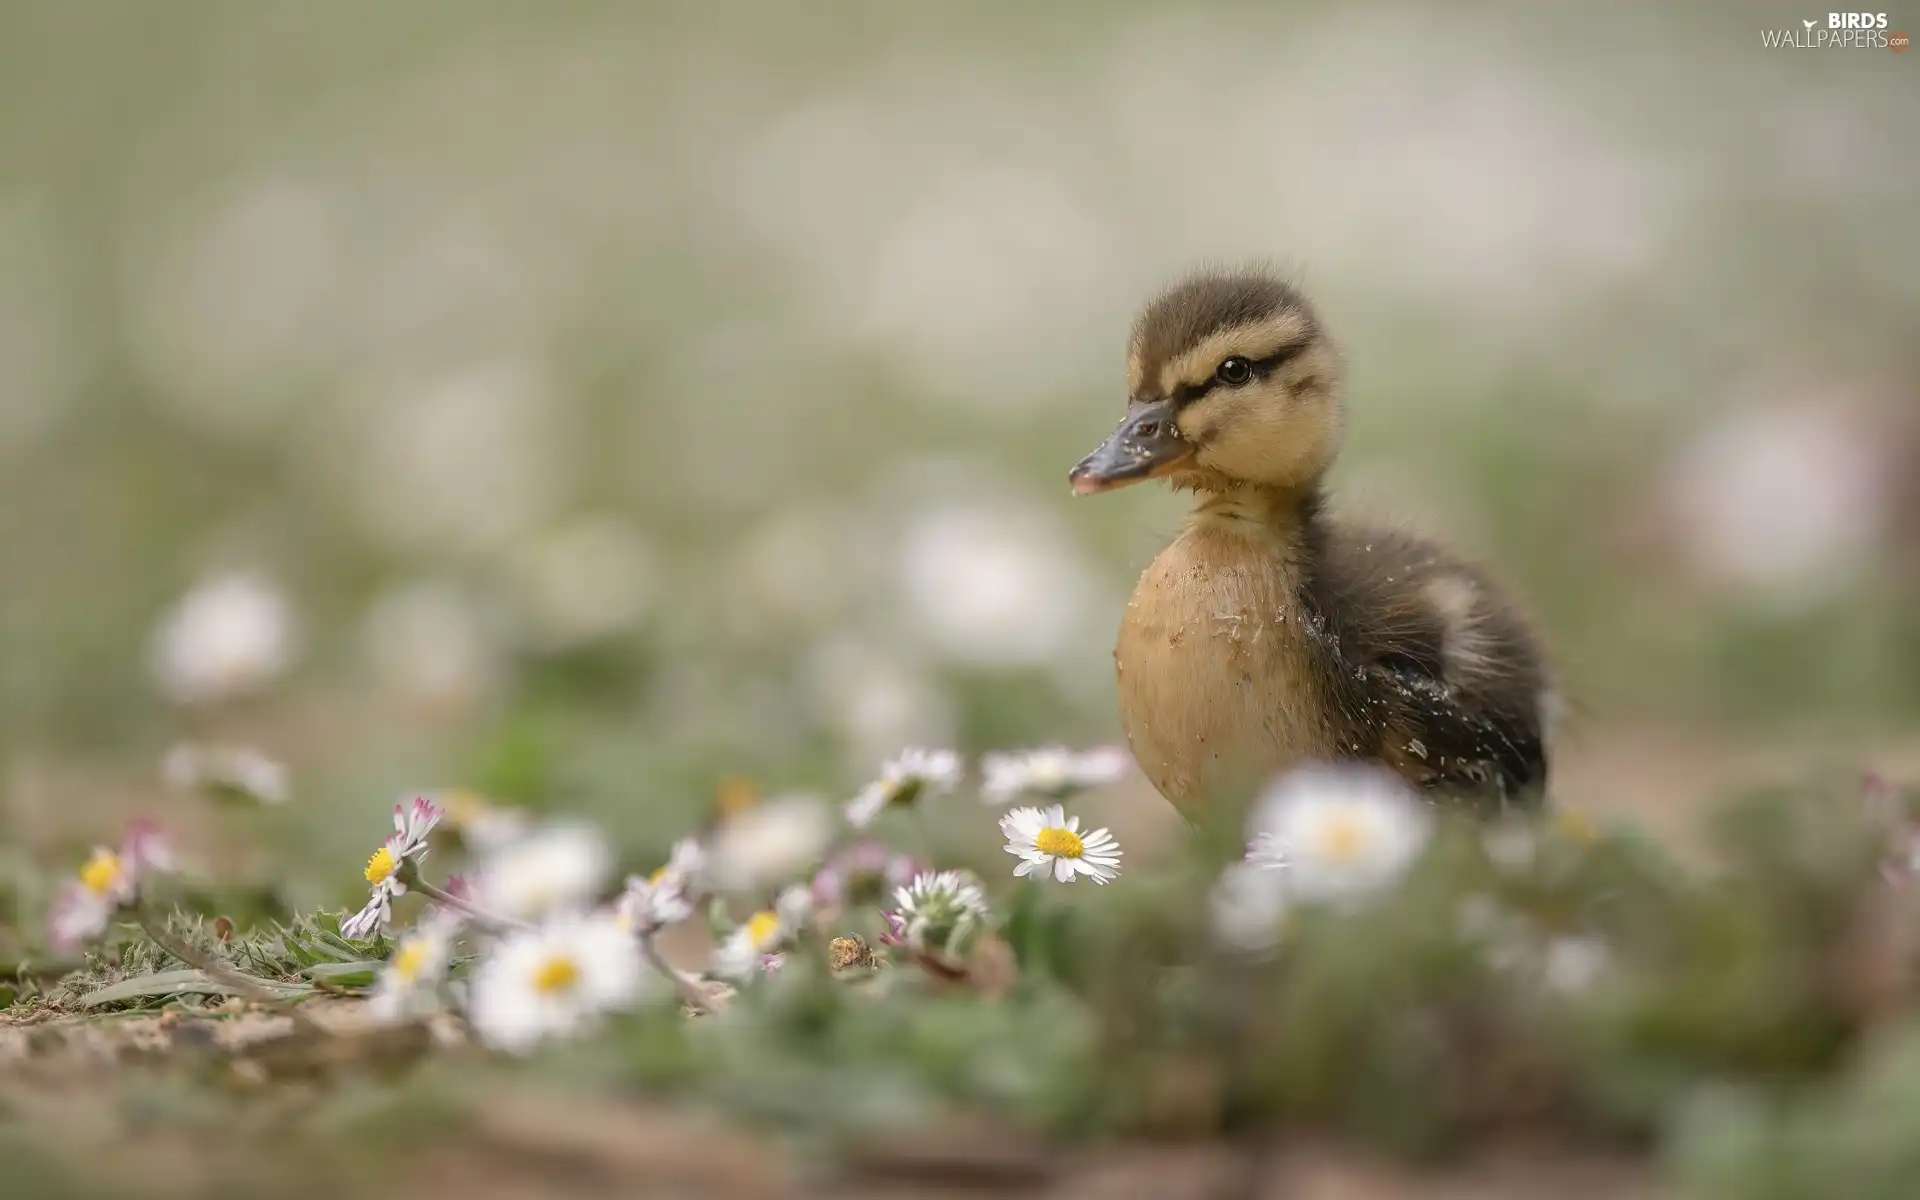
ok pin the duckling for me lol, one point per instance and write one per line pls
(1270, 634)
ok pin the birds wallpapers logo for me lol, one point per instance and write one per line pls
(1852, 30)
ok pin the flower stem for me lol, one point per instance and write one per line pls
(691, 990)
(924, 829)
(488, 921)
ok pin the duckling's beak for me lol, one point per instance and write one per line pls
(1146, 445)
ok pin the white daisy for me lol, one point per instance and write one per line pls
(1345, 831)
(547, 981)
(226, 771)
(1051, 771)
(228, 637)
(386, 867)
(108, 882)
(1249, 905)
(146, 848)
(904, 779)
(997, 585)
(552, 869)
(83, 907)
(1572, 962)
(666, 897)
(1265, 850)
(1050, 841)
(762, 936)
(434, 646)
(687, 862)
(479, 823)
(590, 579)
(409, 984)
(1783, 505)
(760, 848)
(941, 913)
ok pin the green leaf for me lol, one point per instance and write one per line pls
(361, 973)
(298, 947)
(338, 948)
(175, 983)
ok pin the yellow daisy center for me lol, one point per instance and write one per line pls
(558, 974)
(761, 927)
(735, 796)
(409, 959)
(1577, 825)
(903, 792)
(657, 876)
(1061, 843)
(101, 873)
(463, 808)
(1343, 837)
(380, 865)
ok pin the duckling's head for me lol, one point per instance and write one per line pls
(1231, 381)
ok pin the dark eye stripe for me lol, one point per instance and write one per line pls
(1187, 393)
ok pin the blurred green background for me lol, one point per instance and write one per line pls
(588, 402)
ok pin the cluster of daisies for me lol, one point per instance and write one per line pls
(1047, 841)
(535, 938)
(555, 951)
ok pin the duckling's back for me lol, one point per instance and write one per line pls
(1436, 673)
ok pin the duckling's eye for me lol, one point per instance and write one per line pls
(1234, 371)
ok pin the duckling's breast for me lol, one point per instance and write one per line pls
(1219, 680)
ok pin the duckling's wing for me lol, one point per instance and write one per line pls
(1439, 677)
(1446, 745)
